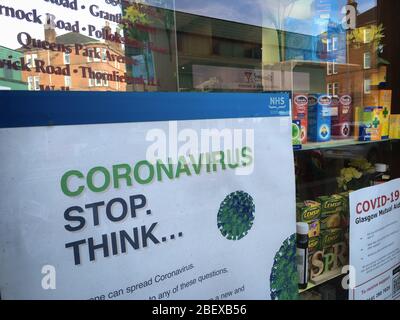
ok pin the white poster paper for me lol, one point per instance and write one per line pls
(375, 242)
(84, 216)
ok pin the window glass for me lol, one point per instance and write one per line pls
(183, 45)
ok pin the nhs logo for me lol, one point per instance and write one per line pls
(279, 103)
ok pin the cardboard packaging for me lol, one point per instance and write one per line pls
(310, 212)
(342, 117)
(381, 99)
(371, 124)
(331, 222)
(300, 113)
(330, 205)
(296, 134)
(319, 118)
(394, 126)
(331, 237)
(385, 101)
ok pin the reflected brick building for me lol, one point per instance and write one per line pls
(84, 53)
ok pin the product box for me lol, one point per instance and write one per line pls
(346, 205)
(314, 244)
(315, 229)
(308, 211)
(385, 101)
(300, 113)
(331, 222)
(331, 237)
(371, 124)
(319, 118)
(342, 117)
(394, 126)
(330, 205)
(345, 214)
(358, 117)
(296, 134)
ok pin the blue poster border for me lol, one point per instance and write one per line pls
(31, 109)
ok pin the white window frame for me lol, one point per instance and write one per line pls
(331, 68)
(98, 82)
(329, 89)
(335, 88)
(328, 45)
(97, 51)
(104, 54)
(367, 54)
(67, 81)
(329, 71)
(91, 82)
(335, 41)
(367, 35)
(30, 83)
(367, 86)
(67, 58)
(30, 59)
(33, 83)
(36, 81)
(90, 58)
(334, 67)
(105, 81)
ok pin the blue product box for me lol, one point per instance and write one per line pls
(319, 117)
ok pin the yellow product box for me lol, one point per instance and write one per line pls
(385, 101)
(308, 211)
(395, 126)
(331, 222)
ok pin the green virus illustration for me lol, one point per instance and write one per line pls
(284, 277)
(236, 215)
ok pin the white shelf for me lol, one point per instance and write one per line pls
(336, 144)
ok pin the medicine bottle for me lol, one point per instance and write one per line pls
(302, 254)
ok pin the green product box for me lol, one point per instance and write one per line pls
(331, 237)
(330, 205)
(346, 209)
(314, 244)
(308, 211)
(331, 222)
(346, 204)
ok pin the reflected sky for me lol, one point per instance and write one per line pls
(267, 13)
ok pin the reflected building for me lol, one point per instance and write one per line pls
(11, 79)
(150, 41)
(365, 70)
(178, 51)
(83, 64)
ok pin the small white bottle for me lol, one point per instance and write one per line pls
(382, 174)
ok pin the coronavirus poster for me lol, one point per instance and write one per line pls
(146, 196)
(375, 242)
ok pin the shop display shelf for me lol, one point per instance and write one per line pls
(337, 143)
(327, 278)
